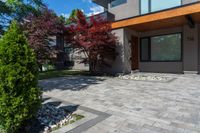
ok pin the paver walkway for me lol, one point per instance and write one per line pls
(134, 106)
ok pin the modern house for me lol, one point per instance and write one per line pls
(155, 35)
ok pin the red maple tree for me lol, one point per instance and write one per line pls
(39, 30)
(95, 39)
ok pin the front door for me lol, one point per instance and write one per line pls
(135, 48)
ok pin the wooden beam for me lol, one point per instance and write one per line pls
(163, 15)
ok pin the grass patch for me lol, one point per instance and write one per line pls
(77, 117)
(62, 73)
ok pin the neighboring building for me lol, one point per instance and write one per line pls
(67, 57)
(156, 35)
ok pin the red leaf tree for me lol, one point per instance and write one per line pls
(39, 30)
(95, 39)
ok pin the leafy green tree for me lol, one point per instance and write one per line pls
(22, 8)
(19, 92)
(73, 16)
(18, 10)
(62, 19)
(5, 11)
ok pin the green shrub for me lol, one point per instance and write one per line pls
(19, 92)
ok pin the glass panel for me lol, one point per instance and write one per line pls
(166, 48)
(117, 2)
(145, 49)
(144, 6)
(157, 5)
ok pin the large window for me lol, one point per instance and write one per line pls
(162, 48)
(114, 3)
(147, 6)
(144, 6)
(145, 49)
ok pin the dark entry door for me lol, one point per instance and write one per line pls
(135, 53)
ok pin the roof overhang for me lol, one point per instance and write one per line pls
(188, 14)
(103, 3)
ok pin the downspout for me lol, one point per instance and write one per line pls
(123, 51)
(139, 36)
(198, 26)
(183, 48)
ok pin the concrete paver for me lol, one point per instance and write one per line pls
(134, 106)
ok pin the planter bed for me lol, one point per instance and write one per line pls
(50, 118)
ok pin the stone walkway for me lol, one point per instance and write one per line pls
(134, 106)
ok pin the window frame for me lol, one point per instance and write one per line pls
(149, 48)
(150, 7)
(117, 5)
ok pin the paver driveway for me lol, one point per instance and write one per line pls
(134, 106)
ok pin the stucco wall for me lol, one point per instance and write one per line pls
(168, 67)
(190, 41)
(161, 67)
(123, 63)
(80, 66)
(118, 64)
(77, 58)
(128, 33)
(126, 10)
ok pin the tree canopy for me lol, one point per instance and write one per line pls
(95, 39)
(19, 92)
(73, 16)
(18, 10)
(39, 30)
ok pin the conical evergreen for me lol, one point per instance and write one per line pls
(19, 93)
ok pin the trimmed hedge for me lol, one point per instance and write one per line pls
(19, 92)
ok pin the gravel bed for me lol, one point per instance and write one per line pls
(144, 77)
(49, 118)
(52, 117)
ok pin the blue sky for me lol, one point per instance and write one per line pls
(64, 7)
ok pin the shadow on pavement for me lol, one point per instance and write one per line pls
(69, 83)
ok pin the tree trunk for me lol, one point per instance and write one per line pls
(93, 67)
(40, 67)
